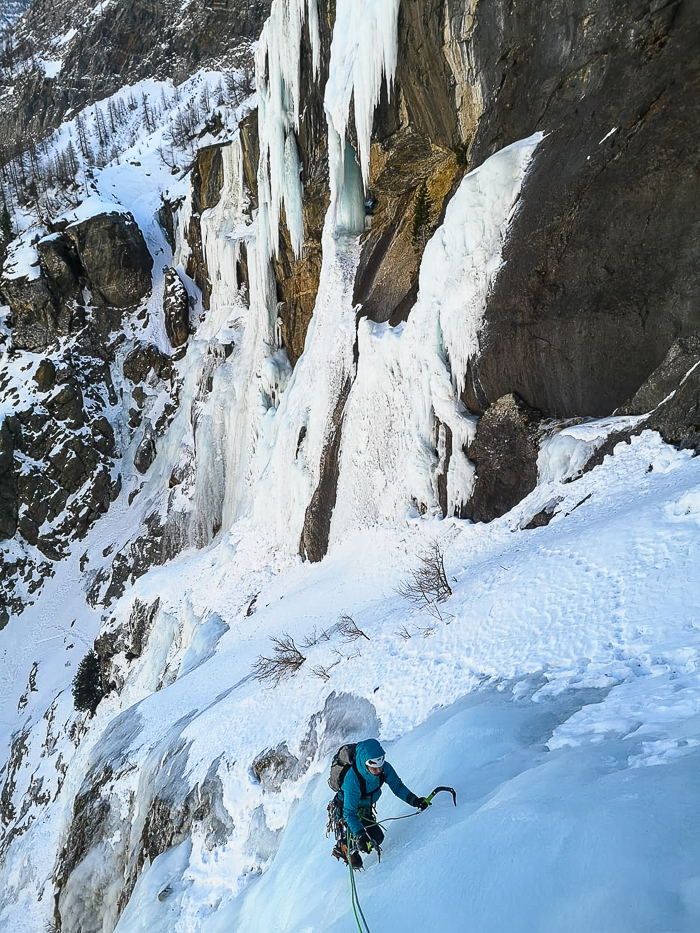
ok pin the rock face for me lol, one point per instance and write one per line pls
(673, 391)
(298, 278)
(115, 258)
(317, 521)
(505, 453)
(207, 181)
(599, 275)
(9, 503)
(423, 135)
(683, 356)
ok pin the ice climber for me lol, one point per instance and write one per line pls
(355, 802)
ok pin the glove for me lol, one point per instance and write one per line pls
(363, 842)
(421, 803)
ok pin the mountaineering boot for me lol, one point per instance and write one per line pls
(341, 852)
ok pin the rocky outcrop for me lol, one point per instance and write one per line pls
(317, 520)
(683, 356)
(114, 257)
(144, 359)
(176, 309)
(504, 451)
(9, 502)
(129, 641)
(600, 274)
(677, 418)
(106, 253)
(147, 450)
(38, 317)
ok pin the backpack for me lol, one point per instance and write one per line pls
(343, 760)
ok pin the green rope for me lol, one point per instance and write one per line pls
(353, 895)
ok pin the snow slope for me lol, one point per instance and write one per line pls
(559, 695)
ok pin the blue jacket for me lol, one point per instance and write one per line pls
(351, 791)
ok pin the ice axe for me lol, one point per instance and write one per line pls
(450, 790)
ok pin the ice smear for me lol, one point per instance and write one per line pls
(154, 906)
(203, 644)
(566, 451)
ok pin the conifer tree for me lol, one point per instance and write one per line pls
(422, 207)
(87, 684)
(5, 225)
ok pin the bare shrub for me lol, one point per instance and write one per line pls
(403, 632)
(324, 671)
(287, 661)
(348, 628)
(428, 585)
(315, 638)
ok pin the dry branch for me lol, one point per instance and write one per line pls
(428, 583)
(348, 628)
(286, 662)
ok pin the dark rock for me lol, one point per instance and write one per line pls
(430, 114)
(146, 451)
(9, 502)
(586, 306)
(115, 258)
(34, 315)
(28, 529)
(542, 518)
(317, 520)
(66, 404)
(176, 308)
(678, 419)
(103, 436)
(207, 181)
(505, 454)
(274, 766)
(45, 375)
(680, 359)
(61, 267)
(73, 461)
(166, 219)
(141, 360)
(139, 396)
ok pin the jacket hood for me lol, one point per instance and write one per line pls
(370, 748)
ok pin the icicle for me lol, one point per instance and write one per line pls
(277, 71)
(363, 54)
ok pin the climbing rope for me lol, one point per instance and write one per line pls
(356, 907)
(355, 899)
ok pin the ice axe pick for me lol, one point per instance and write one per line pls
(450, 790)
